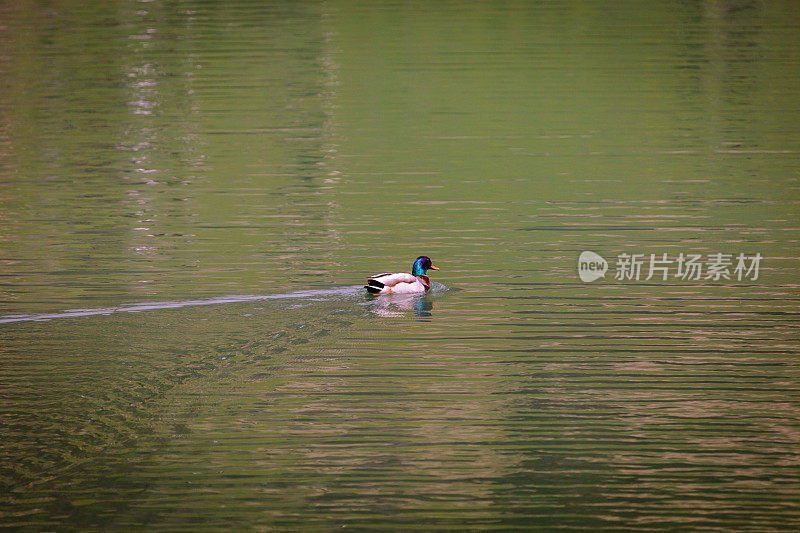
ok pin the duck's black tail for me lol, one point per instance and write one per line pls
(374, 286)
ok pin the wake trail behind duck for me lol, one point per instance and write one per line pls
(309, 295)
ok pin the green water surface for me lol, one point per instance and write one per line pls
(192, 193)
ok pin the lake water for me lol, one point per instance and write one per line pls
(192, 193)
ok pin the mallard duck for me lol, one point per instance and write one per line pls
(401, 282)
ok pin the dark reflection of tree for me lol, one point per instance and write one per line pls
(735, 69)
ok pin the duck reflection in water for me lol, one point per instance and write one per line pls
(396, 305)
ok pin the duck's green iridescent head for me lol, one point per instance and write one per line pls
(421, 265)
